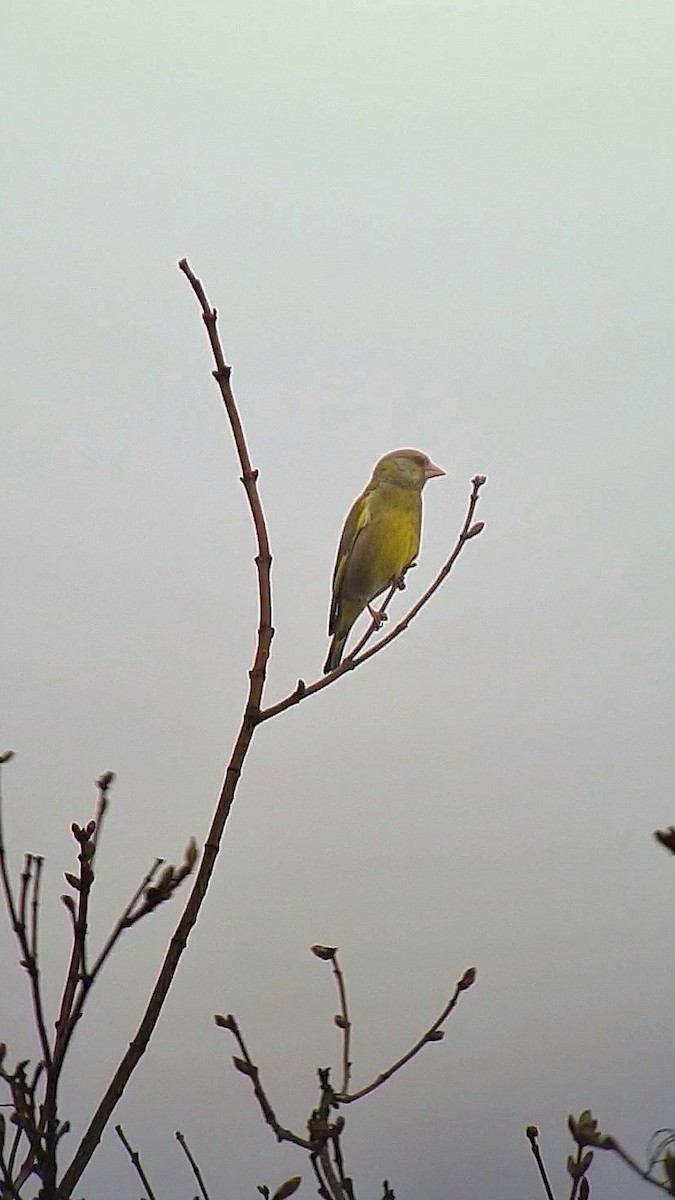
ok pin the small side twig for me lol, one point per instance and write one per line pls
(433, 1034)
(180, 1138)
(28, 958)
(532, 1135)
(135, 1162)
(618, 1149)
(246, 1066)
(342, 1019)
(103, 783)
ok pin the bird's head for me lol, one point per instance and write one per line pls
(406, 468)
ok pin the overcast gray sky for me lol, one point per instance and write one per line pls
(447, 225)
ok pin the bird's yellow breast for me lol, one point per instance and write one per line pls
(386, 545)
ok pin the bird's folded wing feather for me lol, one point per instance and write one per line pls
(358, 517)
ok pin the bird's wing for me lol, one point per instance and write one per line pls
(358, 517)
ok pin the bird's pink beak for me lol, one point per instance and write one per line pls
(431, 471)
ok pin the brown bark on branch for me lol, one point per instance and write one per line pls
(257, 673)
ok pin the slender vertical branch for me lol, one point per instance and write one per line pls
(4, 870)
(329, 954)
(532, 1135)
(345, 1025)
(25, 880)
(432, 1034)
(180, 1138)
(35, 907)
(250, 717)
(28, 960)
(135, 1162)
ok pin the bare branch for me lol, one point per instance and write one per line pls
(25, 879)
(125, 920)
(253, 715)
(532, 1135)
(28, 958)
(250, 718)
(103, 783)
(246, 1066)
(136, 1162)
(462, 985)
(329, 954)
(4, 871)
(197, 1173)
(612, 1144)
(35, 906)
(344, 1024)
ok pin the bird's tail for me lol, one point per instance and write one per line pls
(335, 652)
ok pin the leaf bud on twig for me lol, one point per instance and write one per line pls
(288, 1188)
(227, 1022)
(191, 854)
(241, 1065)
(666, 837)
(475, 529)
(327, 953)
(468, 979)
(165, 880)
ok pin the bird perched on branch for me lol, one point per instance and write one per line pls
(380, 540)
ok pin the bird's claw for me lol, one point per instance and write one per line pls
(378, 616)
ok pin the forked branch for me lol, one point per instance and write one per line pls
(162, 881)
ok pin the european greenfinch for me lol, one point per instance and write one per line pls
(380, 540)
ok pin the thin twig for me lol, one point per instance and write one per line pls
(8, 1187)
(180, 1138)
(103, 783)
(27, 958)
(65, 1022)
(532, 1135)
(344, 1023)
(322, 1190)
(135, 1161)
(125, 921)
(333, 1184)
(257, 674)
(252, 716)
(461, 986)
(14, 1149)
(247, 1067)
(359, 655)
(25, 880)
(635, 1166)
(345, 1180)
(35, 906)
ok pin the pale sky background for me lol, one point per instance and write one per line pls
(447, 225)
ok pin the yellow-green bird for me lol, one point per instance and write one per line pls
(380, 539)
